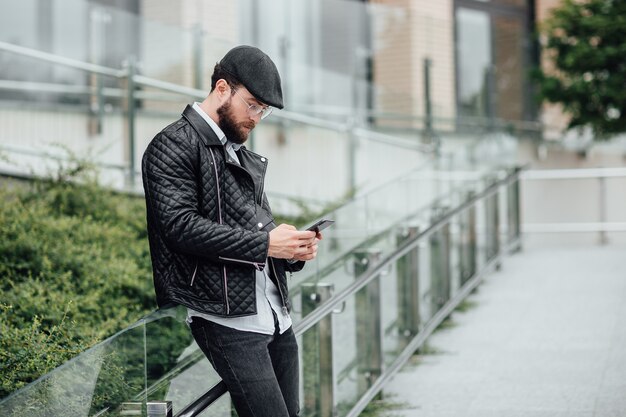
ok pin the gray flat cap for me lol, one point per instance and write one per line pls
(256, 71)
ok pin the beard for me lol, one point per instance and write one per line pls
(234, 131)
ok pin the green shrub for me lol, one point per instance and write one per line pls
(74, 269)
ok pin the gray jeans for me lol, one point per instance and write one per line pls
(260, 371)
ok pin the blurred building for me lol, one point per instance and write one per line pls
(414, 69)
(335, 56)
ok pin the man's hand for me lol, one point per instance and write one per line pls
(287, 242)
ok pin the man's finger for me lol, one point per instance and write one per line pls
(305, 234)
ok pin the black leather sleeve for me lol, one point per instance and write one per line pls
(170, 168)
(295, 266)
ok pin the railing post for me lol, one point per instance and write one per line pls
(159, 408)
(492, 225)
(96, 105)
(100, 103)
(514, 218)
(468, 241)
(440, 264)
(317, 354)
(428, 135)
(198, 55)
(408, 287)
(130, 117)
(352, 149)
(98, 20)
(368, 324)
(131, 408)
(602, 200)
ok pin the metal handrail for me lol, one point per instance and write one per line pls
(67, 62)
(82, 90)
(325, 309)
(336, 300)
(133, 79)
(468, 121)
(602, 226)
(155, 83)
(436, 320)
(312, 319)
(553, 174)
(375, 270)
(389, 139)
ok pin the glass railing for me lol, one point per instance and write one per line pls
(396, 262)
(351, 149)
(100, 102)
(317, 70)
(79, 94)
(421, 245)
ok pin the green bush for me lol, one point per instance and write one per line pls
(74, 269)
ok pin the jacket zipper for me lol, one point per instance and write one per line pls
(258, 265)
(280, 291)
(193, 276)
(262, 185)
(219, 210)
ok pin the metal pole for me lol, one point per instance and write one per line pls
(198, 55)
(97, 31)
(408, 288)
(428, 108)
(319, 381)
(352, 148)
(468, 242)
(131, 408)
(514, 221)
(368, 326)
(372, 274)
(357, 118)
(471, 214)
(100, 101)
(603, 210)
(492, 225)
(130, 117)
(440, 263)
(489, 93)
(496, 226)
(283, 46)
(159, 408)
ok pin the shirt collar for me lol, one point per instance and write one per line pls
(220, 134)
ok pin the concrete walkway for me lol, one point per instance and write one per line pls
(546, 336)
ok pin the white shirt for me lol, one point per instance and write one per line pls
(267, 295)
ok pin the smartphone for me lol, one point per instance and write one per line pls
(320, 225)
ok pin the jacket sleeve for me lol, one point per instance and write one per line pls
(294, 266)
(170, 170)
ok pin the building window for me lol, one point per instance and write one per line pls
(492, 56)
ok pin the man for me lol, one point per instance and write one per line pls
(214, 246)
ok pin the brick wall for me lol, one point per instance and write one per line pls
(404, 37)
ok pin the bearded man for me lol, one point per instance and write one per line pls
(214, 246)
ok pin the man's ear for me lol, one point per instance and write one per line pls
(223, 90)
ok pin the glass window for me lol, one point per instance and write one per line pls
(473, 61)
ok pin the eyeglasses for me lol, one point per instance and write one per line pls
(255, 109)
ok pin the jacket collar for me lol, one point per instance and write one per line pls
(196, 121)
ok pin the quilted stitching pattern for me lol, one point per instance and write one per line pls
(183, 214)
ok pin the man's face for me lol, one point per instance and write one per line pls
(234, 119)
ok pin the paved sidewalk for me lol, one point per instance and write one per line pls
(546, 337)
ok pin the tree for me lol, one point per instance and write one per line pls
(586, 41)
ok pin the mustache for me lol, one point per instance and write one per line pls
(249, 125)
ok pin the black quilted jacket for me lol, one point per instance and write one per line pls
(208, 221)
